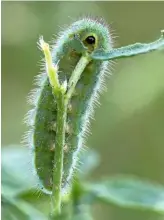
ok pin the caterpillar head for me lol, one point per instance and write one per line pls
(92, 35)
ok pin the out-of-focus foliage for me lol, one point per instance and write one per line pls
(129, 125)
(129, 192)
(18, 182)
(17, 179)
(17, 175)
(123, 191)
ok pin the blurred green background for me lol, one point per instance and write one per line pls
(128, 130)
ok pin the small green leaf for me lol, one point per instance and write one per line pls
(129, 192)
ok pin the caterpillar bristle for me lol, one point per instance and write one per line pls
(30, 117)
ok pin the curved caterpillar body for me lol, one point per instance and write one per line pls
(42, 119)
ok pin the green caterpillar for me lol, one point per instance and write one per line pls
(93, 35)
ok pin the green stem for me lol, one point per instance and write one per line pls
(52, 70)
(58, 159)
(84, 60)
(62, 103)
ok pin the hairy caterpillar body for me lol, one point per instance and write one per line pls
(42, 119)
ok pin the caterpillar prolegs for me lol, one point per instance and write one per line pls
(93, 35)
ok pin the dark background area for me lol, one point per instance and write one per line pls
(128, 130)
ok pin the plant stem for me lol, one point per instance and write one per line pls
(62, 103)
(84, 60)
(58, 158)
(51, 69)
